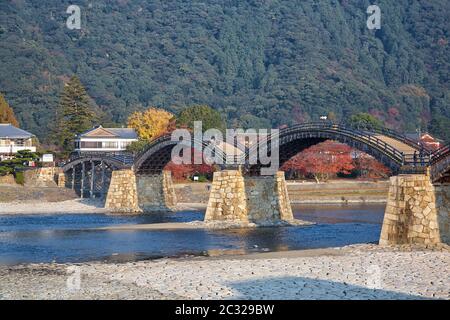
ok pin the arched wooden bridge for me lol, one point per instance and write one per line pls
(91, 172)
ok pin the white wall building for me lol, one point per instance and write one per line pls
(101, 139)
(13, 139)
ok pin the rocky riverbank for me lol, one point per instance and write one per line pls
(352, 272)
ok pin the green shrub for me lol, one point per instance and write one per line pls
(4, 170)
(202, 179)
(19, 177)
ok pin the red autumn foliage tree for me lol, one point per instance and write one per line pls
(298, 115)
(393, 112)
(322, 161)
(181, 172)
(368, 167)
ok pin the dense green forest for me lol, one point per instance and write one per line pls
(259, 62)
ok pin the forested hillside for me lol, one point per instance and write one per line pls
(260, 62)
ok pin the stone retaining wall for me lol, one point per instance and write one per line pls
(61, 180)
(346, 191)
(8, 180)
(36, 177)
(303, 192)
(194, 192)
(42, 177)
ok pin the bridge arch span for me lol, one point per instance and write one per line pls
(111, 162)
(295, 139)
(158, 154)
(89, 175)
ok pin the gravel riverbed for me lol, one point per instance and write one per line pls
(352, 272)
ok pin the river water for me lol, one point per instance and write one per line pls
(70, 238)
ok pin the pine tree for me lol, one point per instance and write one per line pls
(7, 113)
(75, 113)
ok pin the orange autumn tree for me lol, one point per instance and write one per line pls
(7, 113)
(322, 161)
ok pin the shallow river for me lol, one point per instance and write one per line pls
(67, 238)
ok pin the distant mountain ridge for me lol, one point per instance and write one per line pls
(260, 62)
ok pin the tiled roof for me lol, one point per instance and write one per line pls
(412, 136)
(7, 130)
(425, 137)
(121, 133)
(125, 133)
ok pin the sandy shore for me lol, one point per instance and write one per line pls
(71, 206)
(204, 225)
(353, 272)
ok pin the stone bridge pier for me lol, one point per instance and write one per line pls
(417, 212)
(131, 193)
(155, 192)
(238, 199)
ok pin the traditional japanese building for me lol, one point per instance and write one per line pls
(13, 139)
(427, 140)
(101, 139)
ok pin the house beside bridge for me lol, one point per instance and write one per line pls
(13, 140)
(426, 140)
(101, 139)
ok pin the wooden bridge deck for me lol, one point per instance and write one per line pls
(397, 144)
